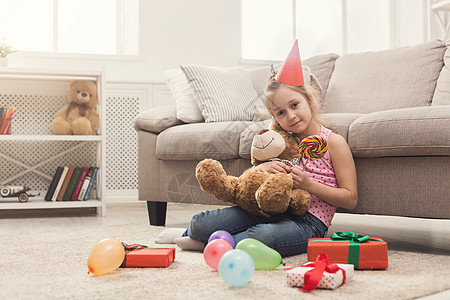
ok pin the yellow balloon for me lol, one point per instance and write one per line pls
(106, 256)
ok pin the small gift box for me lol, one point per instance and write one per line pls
(145, 257)
(345, 247)
(319, 274)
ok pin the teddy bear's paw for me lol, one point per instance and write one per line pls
(82, 126)
(95, 120)
(300, 202)
(214, 180)
(274, 195)
(61, 127)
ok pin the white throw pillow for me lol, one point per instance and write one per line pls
(223, 94)
(187, 108)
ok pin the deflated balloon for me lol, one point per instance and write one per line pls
(265, 258)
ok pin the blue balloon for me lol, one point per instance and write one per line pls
(236, 267)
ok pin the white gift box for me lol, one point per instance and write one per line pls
(296, 276)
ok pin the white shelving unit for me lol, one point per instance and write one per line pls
(438, 7)
(38, 94)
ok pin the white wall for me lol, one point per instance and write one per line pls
(185, 31)
(172, 32)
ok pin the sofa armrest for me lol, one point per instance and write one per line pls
(157, 119)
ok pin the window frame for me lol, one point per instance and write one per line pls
(120, 37)
(393, 10)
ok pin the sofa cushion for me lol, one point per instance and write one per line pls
(259, 77)
(322, 67)
(402, 132)
(187, 109)
(339, 122)
(223, 94)
(196, 141)
(157, 119)
(382, 80)
(442, 93)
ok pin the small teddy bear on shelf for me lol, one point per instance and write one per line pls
(257, 191)
(79, 116)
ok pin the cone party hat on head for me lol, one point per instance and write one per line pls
(291, 72)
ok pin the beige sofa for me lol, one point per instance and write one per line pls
(392, 106)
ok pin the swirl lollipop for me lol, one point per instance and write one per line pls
(313, 147)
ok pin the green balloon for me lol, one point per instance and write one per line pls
(265, 258)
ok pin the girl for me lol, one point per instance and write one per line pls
(331, 180)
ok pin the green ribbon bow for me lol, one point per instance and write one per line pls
(349, 235)
(353, 244)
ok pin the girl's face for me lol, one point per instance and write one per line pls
(292, 112)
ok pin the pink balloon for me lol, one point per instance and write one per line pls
(214, 251)
(224, 235)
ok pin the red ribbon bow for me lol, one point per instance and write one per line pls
(313, 276)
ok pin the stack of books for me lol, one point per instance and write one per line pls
(6, 114)
(71, 183)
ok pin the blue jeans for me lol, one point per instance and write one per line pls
(286, 233)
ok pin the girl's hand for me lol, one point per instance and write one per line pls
(274, 167)
(300, 178)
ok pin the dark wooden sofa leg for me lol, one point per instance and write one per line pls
(157, 212)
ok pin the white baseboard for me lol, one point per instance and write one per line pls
(121, 196)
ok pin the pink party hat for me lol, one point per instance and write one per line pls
(290, 72)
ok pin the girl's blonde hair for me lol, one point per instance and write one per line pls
(310, 93)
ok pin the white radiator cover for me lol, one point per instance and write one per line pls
(121, 142)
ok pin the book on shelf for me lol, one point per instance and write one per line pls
(53, 184)
(60, 183)
(85, 183)
(91, 183)
(72, 183)
(65, 184)
(79, 184)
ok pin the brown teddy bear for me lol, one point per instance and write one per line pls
(78, 117)
(257, 191)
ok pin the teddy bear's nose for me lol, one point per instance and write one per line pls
(84, 94)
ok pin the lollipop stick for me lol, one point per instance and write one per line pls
(304, 166)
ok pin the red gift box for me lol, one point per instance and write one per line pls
(346, 247)
(149, 257)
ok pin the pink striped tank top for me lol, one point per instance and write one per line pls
(322, 171)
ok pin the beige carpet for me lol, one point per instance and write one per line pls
(52, 265)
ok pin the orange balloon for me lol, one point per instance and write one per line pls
(106, 256)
